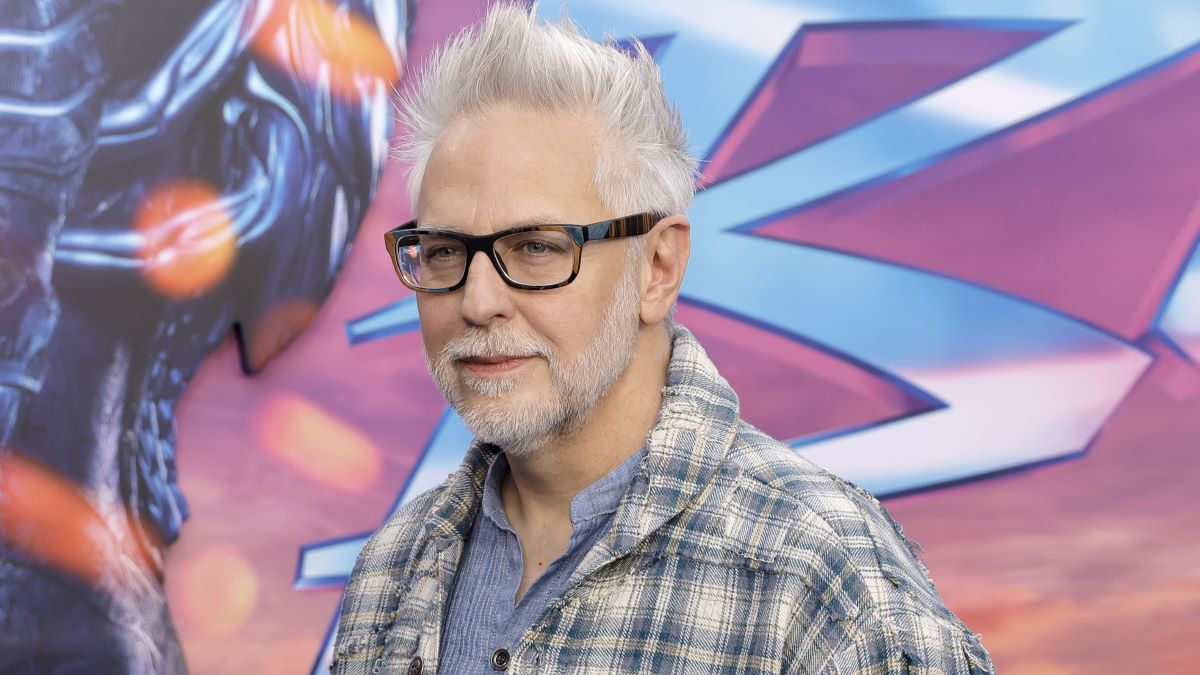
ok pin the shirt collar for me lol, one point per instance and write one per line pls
(598, 499)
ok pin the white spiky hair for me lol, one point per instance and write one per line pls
(643, 163)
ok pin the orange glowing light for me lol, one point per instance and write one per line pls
(325, 44)
(189, 242)
(218, 589)
(317, 444)
(46, 517)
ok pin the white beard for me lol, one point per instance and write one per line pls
(522, 429)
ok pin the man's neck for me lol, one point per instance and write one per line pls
(539, 488)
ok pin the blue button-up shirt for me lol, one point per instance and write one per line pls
(481, 616)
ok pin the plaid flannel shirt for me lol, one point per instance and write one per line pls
(729, 553)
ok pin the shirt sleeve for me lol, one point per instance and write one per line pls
(923, 648)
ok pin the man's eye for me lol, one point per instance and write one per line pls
(538, 248)
(443, 252)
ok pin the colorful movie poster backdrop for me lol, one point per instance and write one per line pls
(968, 281)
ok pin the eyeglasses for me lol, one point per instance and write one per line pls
(533, 257)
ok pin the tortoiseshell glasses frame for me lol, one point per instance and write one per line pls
(404, 245)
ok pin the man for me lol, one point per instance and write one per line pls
(614, 514)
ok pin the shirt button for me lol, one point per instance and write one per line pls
(500, 659)
(414, 668)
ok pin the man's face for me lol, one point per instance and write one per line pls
(522, 366)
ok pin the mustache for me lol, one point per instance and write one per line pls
(494, 342)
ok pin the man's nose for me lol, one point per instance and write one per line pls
(486, 297)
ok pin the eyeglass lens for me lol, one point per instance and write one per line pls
(533, 258)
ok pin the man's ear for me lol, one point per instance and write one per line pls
(663, 263)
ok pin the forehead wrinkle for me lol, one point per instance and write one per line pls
(507, 225)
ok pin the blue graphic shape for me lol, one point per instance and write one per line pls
(1178, 320)
(399, 317)
(1007, 369)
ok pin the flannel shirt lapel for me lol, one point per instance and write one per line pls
(696, 426)
(453, 514)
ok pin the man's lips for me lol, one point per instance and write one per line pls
(493, 365)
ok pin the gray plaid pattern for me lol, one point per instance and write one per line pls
(729, 553)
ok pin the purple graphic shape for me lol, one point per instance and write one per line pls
(855, 72)
(1106, 189)
(777, 375)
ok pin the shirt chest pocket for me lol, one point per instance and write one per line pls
(677, 615)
